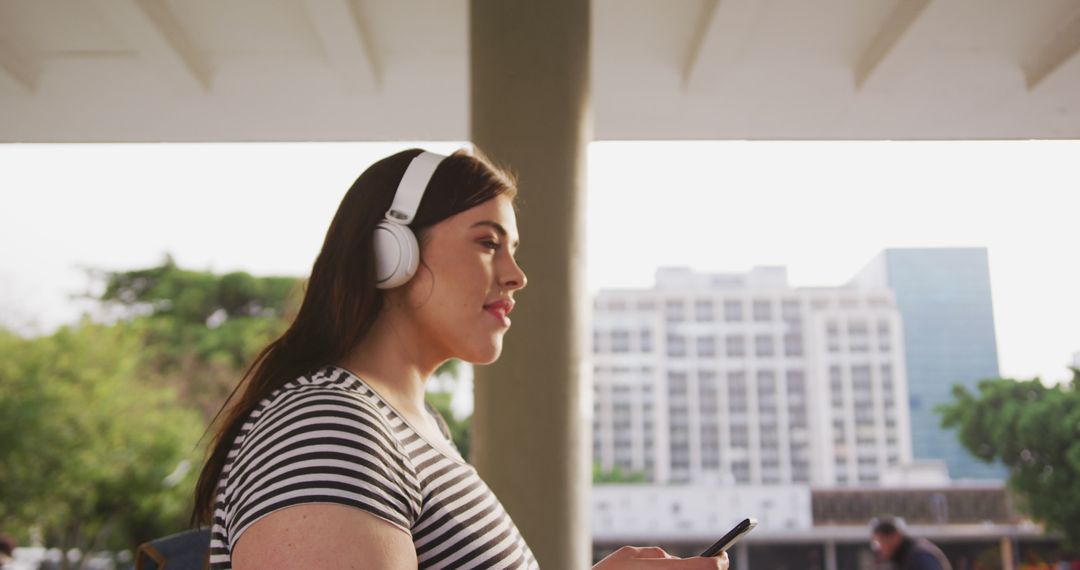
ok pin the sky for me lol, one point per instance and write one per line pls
(823, 209)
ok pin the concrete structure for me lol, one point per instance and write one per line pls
(809, 527)
(944, 297)
(739, 378)
(384, 70)
(539, 374)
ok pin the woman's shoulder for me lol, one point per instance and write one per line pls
(329, 399)
(326, 383)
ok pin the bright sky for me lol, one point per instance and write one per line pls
(821, 209)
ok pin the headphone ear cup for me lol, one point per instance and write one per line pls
(397, 255)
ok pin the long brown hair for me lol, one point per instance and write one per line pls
(341, 301)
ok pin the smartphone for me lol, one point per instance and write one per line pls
(729, 539)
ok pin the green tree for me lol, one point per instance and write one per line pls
(93, 457)
(1035, 431)
(202, 329)
(616, 475)
(459, 428)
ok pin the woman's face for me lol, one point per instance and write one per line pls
(465, 285)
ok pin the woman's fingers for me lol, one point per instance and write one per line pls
(652, 552)
(655, 558)
(697, 563)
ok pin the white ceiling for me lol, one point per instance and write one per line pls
(272, 70)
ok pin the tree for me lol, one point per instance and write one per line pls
(93, 456)
(616, 475)
(1035, 431)
(460, 429)
(202, 329)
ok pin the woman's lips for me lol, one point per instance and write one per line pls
(499, 312)
(500, 309)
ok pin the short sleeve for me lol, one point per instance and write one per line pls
(319, 446)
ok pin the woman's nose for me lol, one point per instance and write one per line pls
(515, 278)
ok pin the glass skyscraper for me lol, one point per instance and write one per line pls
(943, 295)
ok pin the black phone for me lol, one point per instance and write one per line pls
(729, 539)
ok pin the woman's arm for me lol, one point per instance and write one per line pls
(334, 537)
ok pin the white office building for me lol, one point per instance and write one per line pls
(741, 379)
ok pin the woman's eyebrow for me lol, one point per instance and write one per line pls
(499, 229)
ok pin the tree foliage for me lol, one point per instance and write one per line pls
(100, 423)
(1034, 430)
(93, 457)
(202, 329)
(616, 475)
(218, 318)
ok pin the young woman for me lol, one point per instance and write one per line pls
(328, 456)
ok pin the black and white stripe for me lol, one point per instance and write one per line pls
(329, 438)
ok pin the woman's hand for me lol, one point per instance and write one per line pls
(654, 558)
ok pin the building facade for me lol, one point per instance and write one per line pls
(740, 379)
(944, 297)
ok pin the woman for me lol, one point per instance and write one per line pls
(329, 457)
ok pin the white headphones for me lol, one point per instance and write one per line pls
(397, 253)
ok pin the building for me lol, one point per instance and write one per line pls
(814, 528)
(739, 378)
(944, 297)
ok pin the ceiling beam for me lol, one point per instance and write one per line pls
(1061, 48)
(345, 43)
(723, 32)
(904, 14)
(155, 34)
(17, 67)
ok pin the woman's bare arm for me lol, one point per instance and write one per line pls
(328, 536)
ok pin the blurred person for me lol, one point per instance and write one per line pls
(7, 550)
(903, 552)
(326, 455)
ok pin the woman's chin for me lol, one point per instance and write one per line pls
(485, 354)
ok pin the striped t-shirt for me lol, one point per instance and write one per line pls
(329, 438)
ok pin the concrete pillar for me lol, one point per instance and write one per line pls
(1008, 559)
(830, 555)
(741, 557)
(530, 111)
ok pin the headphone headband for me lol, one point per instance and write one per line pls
(411, 189)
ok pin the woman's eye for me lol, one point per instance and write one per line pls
(490, 244)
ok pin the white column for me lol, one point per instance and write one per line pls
(530, 110)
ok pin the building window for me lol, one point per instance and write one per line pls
(735, 345)
(793, 344)
(676, 346)
(858, 337)
(884, 337)
(832, 334)
(762, 310)
(620, 340)
(790, 311)
(737, 398)
(703, 310)
(733, 311)
(645, 340)
(674, 311)
(763, 345)
(706, 346)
